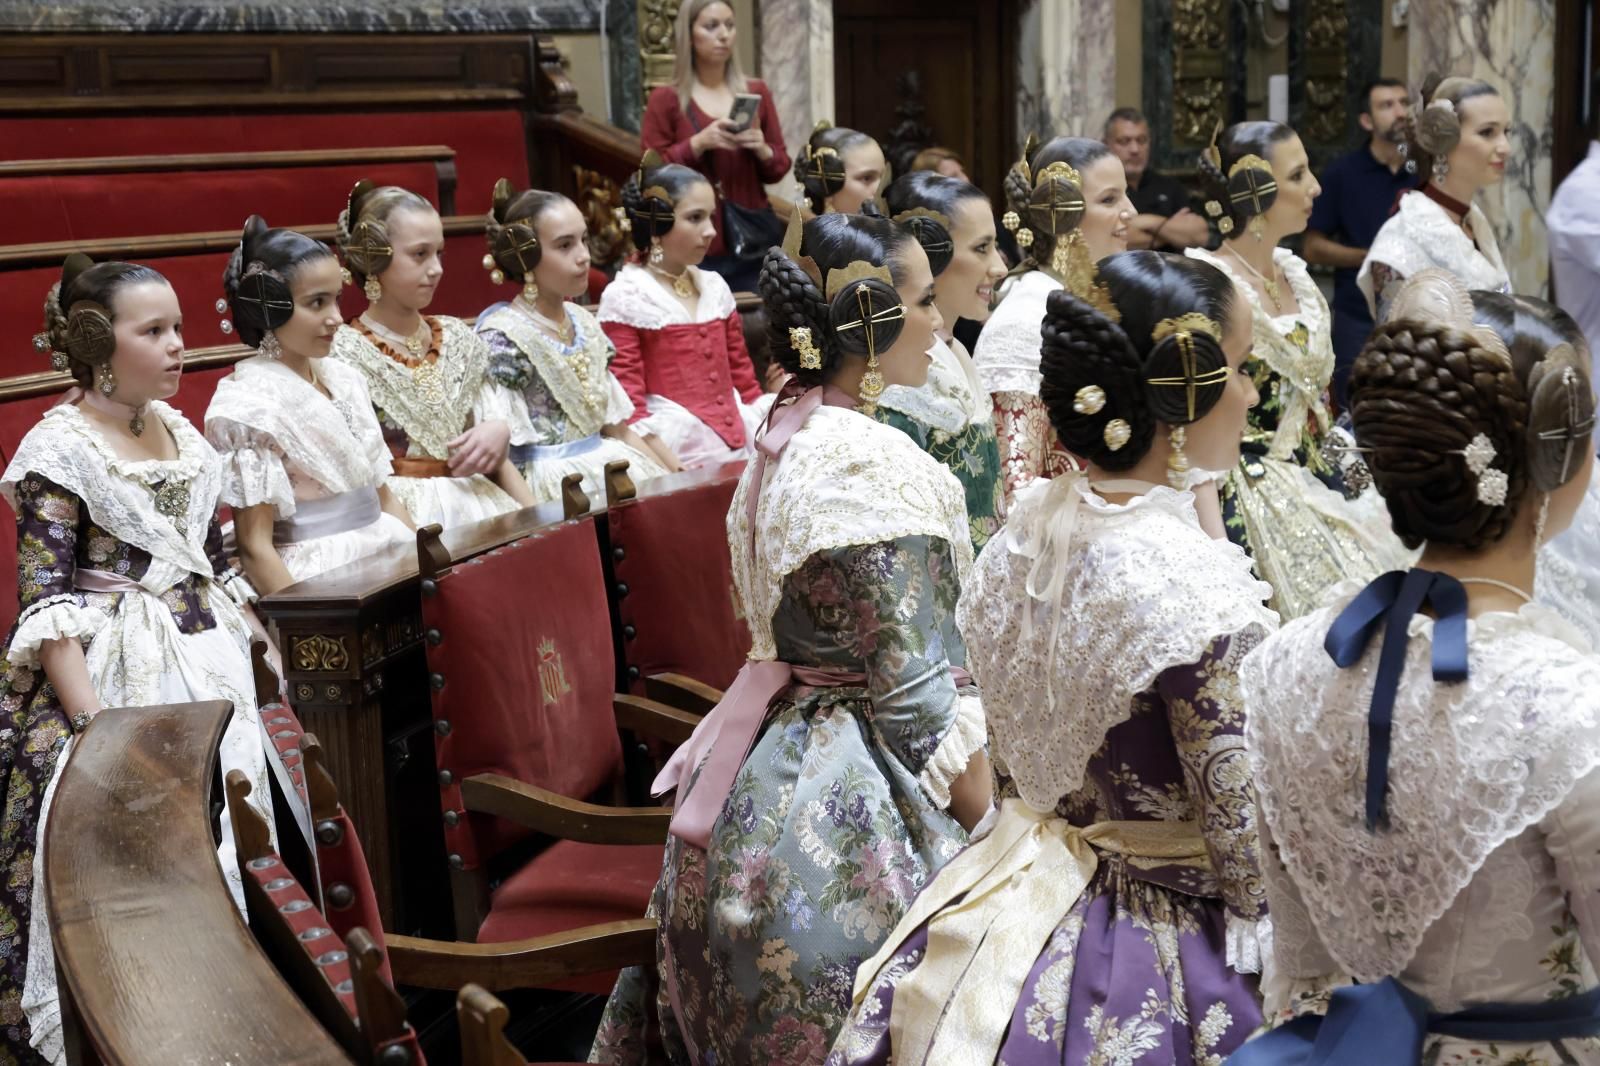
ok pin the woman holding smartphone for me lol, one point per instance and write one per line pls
(723, 124)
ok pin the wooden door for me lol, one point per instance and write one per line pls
(963, 56)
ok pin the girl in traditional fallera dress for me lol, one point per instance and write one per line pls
(680, 351)
(1069, 208)
(126, 599)
(1288, 501)
(788, 866)
(1104, 913)
(1459, 143)
(950, 416)
(1429, 805)
(840, 170)
(305, 468)
(572, 414)
(444, 419)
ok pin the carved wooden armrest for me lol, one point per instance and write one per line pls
(684, 693)
(652, 719)
(560, 816)
(537, 962)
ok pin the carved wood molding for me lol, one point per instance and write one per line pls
(657, 56)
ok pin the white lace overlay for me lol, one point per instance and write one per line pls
(1471, 766)
(1007, 353)
(843, 479)
(265, 419)
(1142, 588)
(634, 298)
(1568, 577)
(580, 382)
(463, 360)
(1421, 235)
(1305, 371)
(951, 400)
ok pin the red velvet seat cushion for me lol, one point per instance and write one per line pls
(569, 885)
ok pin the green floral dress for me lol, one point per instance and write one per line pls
(834, 822)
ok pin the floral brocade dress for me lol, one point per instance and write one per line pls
(163, 626)
(837, 815)
(1106, 912)
(1299, 501)
(952, 420)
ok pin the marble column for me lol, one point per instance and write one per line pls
(1512, 47)
(797, 65)
(1067, 76)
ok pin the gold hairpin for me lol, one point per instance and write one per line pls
(1183, 328)
(1193, 320)
(1212, 152)
(800, 340)
(1257, 188)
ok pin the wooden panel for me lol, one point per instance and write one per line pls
(157, 965)
(148, 164)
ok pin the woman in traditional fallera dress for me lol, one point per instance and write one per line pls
(1069, 209)
(444, 419)
(1460, 144)
(126, 598)
(950, 415)
(1104, 914)
(680, 351)
(789, 866)
(305, 468)
(1288, 501)
(840, 170)
(1429, 796)
(572, 415)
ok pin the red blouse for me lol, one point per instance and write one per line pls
(737, 173)
(697, 365)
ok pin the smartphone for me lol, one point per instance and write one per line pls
(743, 112)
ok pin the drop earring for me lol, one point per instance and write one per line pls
(269, 348)
(871, 388)
(530, 289)
(1539, 522)
(1257, 227)
(656, 254)
(373, 288)
(1177, 462)
(108, 382)
(1440, 169)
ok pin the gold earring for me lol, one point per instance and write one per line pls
(871, 386)
(108, 382)
(530, 289)
(1061, 256)
(344, 276)
(373, 289)
(1177, 462)
(656, 254)
(1257, 227)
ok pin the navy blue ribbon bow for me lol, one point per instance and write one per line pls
(1390, 600)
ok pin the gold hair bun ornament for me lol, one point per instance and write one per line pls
(793, 236)
(1089, 400)
(800, 340)
(500, 198)
(89, 337)
(1192, 322)
(1212, 153)
(1117, 434)
(1251, 185)
(860, 270)
(1011, 220)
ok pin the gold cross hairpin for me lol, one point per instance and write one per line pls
(253, 289)
(366, 246)
(870, 319)
(1258, 184)
(521, 240)
(814, 167)
(1190, 381)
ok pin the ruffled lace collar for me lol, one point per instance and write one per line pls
(192, 448)
(951, 400)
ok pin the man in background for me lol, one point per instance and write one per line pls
(1165, 219)
(1359, 190)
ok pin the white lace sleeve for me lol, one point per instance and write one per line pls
(967, 735)
(1298, 958)
(53, 618)
(496, 403)
(619, 409)
(252, 467)
(1572, 833)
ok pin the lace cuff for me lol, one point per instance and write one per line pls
(53, 618)
(1249, 943)
(252, 475)
(967, 734)
(496, 403)
(238, 587)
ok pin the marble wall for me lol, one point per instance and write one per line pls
(1512, 47)
(797, 65)
(1067, 79)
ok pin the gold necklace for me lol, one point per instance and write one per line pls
(1268, 284)
(416, 344)
(682, 283)
(561, 331)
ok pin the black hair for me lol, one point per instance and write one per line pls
(513, 218)
(1256, 138)
(1083, 349)
(930, 191)
(821, 173)
(84, 281)
(1374, 84)
(1077, 152)
(649, 215)
(794, 299)
(280, 253)
(1124, 114)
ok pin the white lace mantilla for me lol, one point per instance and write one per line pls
(1007, 353)
(1141, 588)
(580, 381)
(1305, 371)
(1471, 765)
(1421, 234)
(264, 413)
(121, 493)
(635, 298)
(843, 479)
(463, 361)
(951, 400)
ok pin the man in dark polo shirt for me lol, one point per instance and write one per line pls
(1165, 219)
(1358, 195)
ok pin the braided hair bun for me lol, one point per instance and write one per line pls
(1046, 203)
(256, 281)
(1106, 385)
(511, 230)
(79, 311)
(650, 213)
(819, 168)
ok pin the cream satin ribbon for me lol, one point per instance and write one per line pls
(1014, 886)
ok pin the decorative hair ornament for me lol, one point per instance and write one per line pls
(510, 243)
(368, 251)
(1252, 188)
(1182, 329)
(793, 236)
(1492, 482)
(262, 297)
(654, 213)
(800, 340)
(1117, 434)
(1194, 322)
(1438, 128)
(840, 278)
(1089, 400)
(931, 228)
(1435, 295)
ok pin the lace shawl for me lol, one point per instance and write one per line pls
(843, 479)
(579, 381)
(1421, 234)
(1007, 354)
(634, 298)
(1141, 588)
(463, 361)
(1305, 372)
(952, 399)
(121, 493)
(1471, 766)
(264, 413)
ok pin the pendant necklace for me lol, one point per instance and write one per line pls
(682, 283)
(1269, 284)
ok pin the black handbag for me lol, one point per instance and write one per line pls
(747, 232)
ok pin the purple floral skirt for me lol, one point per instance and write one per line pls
(1134, 973)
